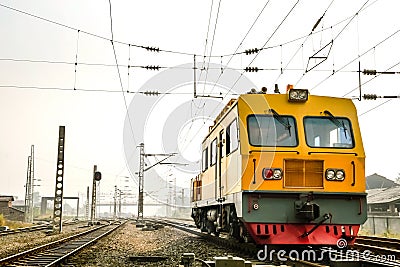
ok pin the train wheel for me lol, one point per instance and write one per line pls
(210, 227)
(244, 235)
(234, 230)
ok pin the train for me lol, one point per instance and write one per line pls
(282, 169)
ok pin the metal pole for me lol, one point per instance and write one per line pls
(120, 203)
(93, 207)
(32, 178)
(141, 183)
(194, 76)
(115, 201)
(87, 204)
(27, 188)
(77, 208)
(58, 195)
(183, 197)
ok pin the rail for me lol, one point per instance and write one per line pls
(55, 252)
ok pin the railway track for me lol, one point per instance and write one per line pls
(379, 245)
(248, 250)
(56, 252)
(368, 251)
(43, 227)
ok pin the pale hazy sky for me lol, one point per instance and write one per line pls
(31, 114)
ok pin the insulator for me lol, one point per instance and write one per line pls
(153, 49)
(370, 96)
(251, 69)
(369, 72)
(251, 51)
(150, 67)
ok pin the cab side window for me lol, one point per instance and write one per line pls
(205, 159)
(232, 142)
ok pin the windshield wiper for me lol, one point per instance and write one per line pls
(280, 119)
(335, 121)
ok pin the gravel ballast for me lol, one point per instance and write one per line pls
(121, 247)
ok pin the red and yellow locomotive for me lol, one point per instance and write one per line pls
(283, 169)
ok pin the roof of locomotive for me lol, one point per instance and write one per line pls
(262, 102)
(272, 99)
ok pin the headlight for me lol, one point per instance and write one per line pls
(298, 95)
(335, 174)
(340, 175)
(277, 173)
(330, 174)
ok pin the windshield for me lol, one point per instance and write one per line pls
(325, 132)
(269, 130)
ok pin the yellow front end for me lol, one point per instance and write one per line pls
(305, 160)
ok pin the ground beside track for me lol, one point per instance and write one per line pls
(117, 248)
(11, 244)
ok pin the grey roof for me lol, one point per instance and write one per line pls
(378, 181)
(383, 195)
(6, 198)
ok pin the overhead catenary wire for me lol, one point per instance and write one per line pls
(206, 41)
(212, 42)
(224, 68)
(76, 58)
(148, 48)
(155, 68)
(116, 91)
(376, 76)
(338, 34)
(270, 37)
(155, 49)
(377, 106)
(305, 40)
(354, 59)
(119, 76)
(265, 44)
(240, 44)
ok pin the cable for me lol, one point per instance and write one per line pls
(119, 75)
(265, 44)
(376, 76)
(276, 29)
(337, 36)
(149, 67)
(240, 44)
(351, 61)
(305, 40)
(76, 58)
(381, 104)
(206, 42)
(93, 34)
(150, 93)
(212, 44)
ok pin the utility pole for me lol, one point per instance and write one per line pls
(120, 203)
(29, 187)
(141, 172)
(141, 182)
(183, 197)
(28, 190)
(59, 188)
(115, 201)
(87, 204)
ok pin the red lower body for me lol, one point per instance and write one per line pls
(295, 234)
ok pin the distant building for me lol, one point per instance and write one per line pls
(383, 197)
(8, 211)
(378, 181)
(384, 201)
